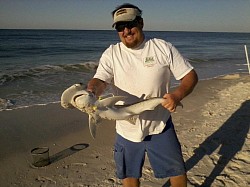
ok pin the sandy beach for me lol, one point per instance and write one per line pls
(213, 128)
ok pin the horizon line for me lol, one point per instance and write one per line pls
(60, 29)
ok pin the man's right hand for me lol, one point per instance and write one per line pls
(96, 86)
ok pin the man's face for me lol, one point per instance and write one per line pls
(131, 35)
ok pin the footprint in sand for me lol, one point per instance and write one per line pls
(234, 166)
(197, 180)
(214, 157)
(244, 157)
(192, 129)
(113, 181)
(235, 178)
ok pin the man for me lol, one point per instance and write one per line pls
(139, 68)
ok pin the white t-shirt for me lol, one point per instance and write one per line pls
(141, 73)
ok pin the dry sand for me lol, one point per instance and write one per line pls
(213, 128)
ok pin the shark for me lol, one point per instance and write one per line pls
(105, 106)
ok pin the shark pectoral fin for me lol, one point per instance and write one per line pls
(180, 104)
(92, 126)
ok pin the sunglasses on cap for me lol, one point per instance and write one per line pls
(120, 26)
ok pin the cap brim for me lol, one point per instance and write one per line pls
(125, 14)
(122, 20)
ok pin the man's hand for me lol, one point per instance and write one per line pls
(186, 86)
(170, 102)
(96, 86)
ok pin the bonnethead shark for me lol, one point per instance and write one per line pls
(104, 106)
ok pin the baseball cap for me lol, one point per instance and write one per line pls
(125, 14)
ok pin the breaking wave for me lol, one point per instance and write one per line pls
(44, 70)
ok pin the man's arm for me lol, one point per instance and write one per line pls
(96, 86)
(186, 86)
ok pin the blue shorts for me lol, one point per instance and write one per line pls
(163, 151)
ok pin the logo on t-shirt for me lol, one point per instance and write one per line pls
(149, 61)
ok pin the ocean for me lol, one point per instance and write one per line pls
(36, 66)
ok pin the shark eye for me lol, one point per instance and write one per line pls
(91, 94)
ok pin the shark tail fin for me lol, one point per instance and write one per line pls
(93, 122)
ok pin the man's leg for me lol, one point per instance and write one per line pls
(179, 181)
(165, 156)
(131, 182)
(129, 159)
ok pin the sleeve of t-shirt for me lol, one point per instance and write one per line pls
(105, 69)
(179, 66)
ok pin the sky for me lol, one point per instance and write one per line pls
(159, 15)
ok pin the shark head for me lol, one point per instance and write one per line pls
(85, 101)
(76, 97)
(67, 98)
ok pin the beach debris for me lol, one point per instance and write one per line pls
(6, 103)
(45, 179)
(104, 107)
(40, 156)
(79, 164)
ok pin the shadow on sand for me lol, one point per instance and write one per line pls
(230, 137)
(67, 152)
(41, 156)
